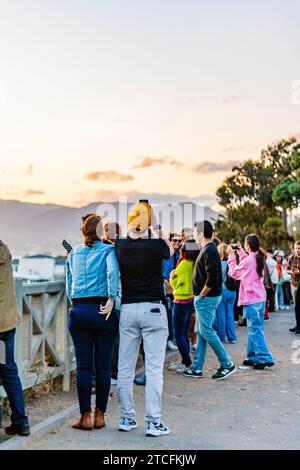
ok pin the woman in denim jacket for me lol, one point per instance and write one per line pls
(92, 286)
(252, 296)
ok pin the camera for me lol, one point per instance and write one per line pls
(234, 246)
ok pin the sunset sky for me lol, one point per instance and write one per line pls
(107, 97)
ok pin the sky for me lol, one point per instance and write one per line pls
(136, 97)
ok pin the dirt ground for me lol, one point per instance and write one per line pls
(250, 410)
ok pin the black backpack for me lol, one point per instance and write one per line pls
(230, 283)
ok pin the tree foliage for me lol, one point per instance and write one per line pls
(258, 194)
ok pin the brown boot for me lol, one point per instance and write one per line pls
(85, 422)
(99, 419)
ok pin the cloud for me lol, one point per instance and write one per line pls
(32, 192)
(231, 99)
(29, 169)
(213, 167)
(108, 177)
(147, 162)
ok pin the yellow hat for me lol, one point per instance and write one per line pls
(139, 217)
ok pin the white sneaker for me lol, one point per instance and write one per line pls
(157, 429)
(180, 368)
(171, 346)
(127, 424)
(173, 366)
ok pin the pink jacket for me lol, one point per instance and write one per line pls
(252, 288)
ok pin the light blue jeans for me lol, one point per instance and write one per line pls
(206, 312)
(225, 316)
(257, 350)
(280, 297)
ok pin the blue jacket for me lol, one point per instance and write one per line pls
(169, 265)
(93, 272)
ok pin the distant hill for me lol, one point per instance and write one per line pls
(37, 228)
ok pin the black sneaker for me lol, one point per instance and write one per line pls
(20, 429)
(248, 362)
(224, 372)
(293, 330)
(193, 373)
(262, 365)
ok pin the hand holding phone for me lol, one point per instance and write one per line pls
(67, 246)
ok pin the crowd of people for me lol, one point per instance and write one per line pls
(142, 293)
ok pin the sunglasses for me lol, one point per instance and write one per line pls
(176, 240)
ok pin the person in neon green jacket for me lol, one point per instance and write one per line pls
(181, 281)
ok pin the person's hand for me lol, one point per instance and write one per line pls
(296, 271)
(107, 308)
(230, 250)
(239, 246)
(173, 275)
(169, 288)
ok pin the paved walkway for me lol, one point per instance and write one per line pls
(250, 410)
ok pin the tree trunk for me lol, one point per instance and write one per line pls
(284, 219)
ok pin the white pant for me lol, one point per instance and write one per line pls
(137, 322)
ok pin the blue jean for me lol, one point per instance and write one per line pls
(93, 337)
(11, 381)
(257, 350)
(182, 318)
(206, 311)
(280, 297)
(225, 316)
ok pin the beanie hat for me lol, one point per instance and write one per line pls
(139, 217)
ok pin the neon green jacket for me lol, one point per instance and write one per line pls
(182, 282)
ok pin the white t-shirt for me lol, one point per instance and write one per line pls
(271, 263)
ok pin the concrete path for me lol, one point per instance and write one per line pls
(250, 410)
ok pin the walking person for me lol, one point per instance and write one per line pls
(9, 319)
(271, 292)
(225, 310)
(92, 286)
(286, 284)
(294, 271)
(252, 296)
(181, 280)
(279, 290)
(168, 266)
(207, 287)
(143, 316)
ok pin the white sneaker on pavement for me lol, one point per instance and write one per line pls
(171, 346)
(157, 429)
(180, 368)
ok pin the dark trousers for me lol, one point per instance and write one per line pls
(115, 352)
(169, 306)
(93, 337)
(271, 291)
(10, 380)
(297, 307)
(287, 293)
(182, 318)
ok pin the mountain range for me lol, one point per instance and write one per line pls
(30, 229)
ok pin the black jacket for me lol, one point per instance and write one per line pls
(208, 271)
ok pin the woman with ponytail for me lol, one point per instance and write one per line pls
(92, 287)
(252, 296)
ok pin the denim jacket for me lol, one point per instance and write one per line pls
(93, 272)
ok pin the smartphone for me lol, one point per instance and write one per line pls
(234, 246)
(67, 246)
(146, 201)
